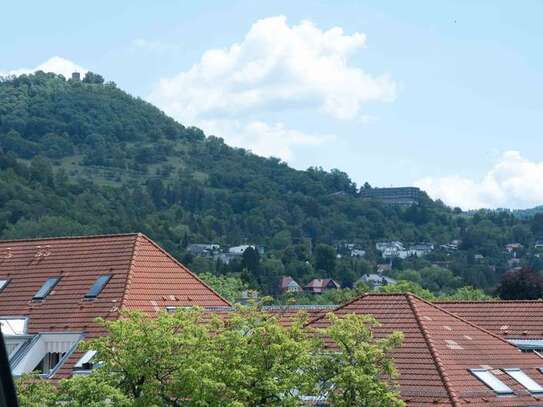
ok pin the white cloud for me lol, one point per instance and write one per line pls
(513, 182)
(275, 67)
(261, 138)
(55, 64)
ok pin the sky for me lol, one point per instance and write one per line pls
(442, 95)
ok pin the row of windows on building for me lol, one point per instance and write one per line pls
(51, 283)
(487, 377)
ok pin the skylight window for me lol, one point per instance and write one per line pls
(98, 286)
(491, 381)
(85, 363)
(531, 385)
(46, 288)
(3, 284)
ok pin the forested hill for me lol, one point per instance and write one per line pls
(81, 157)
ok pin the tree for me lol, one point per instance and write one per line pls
(91, 77)
(361, 372)
(408, 287)
(244, 358)
(155, 360)
(469, 293)
(258, 362)
(525, 284)
(92, 390)
(325, 259)
(32, 391)
(227, 286)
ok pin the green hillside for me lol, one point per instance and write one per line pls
(86, 157)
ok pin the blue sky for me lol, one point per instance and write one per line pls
(445, 95)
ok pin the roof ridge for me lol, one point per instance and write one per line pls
(129, 273)
(143, 236)
(435, 355)
(70, 237)
(337, 309)
(452, 314)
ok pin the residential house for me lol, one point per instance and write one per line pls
(392, 249)
(52, 291)
(375, 280)
(420, 249)
(513, 248)
(203, 249)
(358, 253)
(319, 285)
(239, 250)
(451, 246)
(445, 360)
(538, 244)
(289, 285)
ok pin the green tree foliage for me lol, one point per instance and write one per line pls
(408, 287)
(525, 284)
(244, 359)
(227, 286)
(468, 293)
(84, 157)
(32, 391)
(361, 372)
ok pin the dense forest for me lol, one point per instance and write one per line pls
(84, 157)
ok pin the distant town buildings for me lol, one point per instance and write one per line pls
(402, 196)
(350, 249)
(224, 255)
(203, 249)
(395, 249)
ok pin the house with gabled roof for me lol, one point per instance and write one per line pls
(52, 290)
(446, 360)
(288, 285)
(320, 285)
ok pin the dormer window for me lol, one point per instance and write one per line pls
(46, 288)
(486, 376)
(98, 286)
(3, 283)
(531, 385)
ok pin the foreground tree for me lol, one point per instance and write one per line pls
(245, 358)
(361, 372)
(78, 391)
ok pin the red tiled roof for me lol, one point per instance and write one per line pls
(144, 277)
(438, 350)
(508, 319)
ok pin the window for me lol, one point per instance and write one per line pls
(49, 362)
(3, 284)
(85, 363)
(491, 381)
(98, 286)
(46, 288)
(525, 380)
